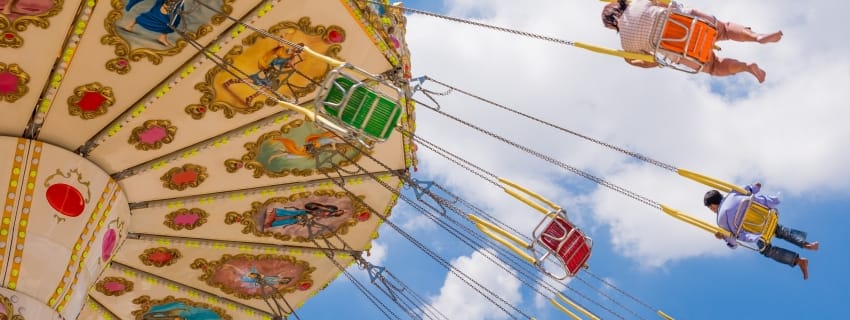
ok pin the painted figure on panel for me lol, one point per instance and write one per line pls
(251, 276)
(275, 68)
(153, 29)
(287, 149)
(298, 148)
(302, 216)
(172, 308)
(288, 215)
(157, 19)
(13, 9)
(179, 311)
(264, 66)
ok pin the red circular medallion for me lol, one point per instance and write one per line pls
(66, 199)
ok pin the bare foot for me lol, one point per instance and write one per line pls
(768, 38)
(804, 266)
(164, 40)
(812, 246)
(129, 27)
(756, 72)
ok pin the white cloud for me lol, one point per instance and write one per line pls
(788, 132)
(378, 253)
(456, 298)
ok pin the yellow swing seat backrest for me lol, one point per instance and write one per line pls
(687, 37)
(757, 219)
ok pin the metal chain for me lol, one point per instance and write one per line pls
(253, 28)
(417, 300)
(552, 125)
(457, 160)
(377, 302)
(461, 275)
(485, 214)
(551, 160)
(402, 292)
(478, 24)
(444, 224)
(480, 173)
(621, 291)
(468, 242)
(606, 296)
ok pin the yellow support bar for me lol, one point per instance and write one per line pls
(311, 115)
(564, 309)
(663, 2)
(530, 193)
(694, 221)
(578, 307)
(499, 235)
(664, 315)
(711, 182)
(333, 62)
(618, 53)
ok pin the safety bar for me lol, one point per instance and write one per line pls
(663, 315)
(694, 221)
(499, 235)
(574, 305)
(525, 200)
(663, 2)
(712, 182)
(618, 53)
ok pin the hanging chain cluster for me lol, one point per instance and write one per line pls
(600, 181)
(478, 24)
(635, 155)
(463, 236)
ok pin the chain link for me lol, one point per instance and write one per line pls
(479, 24)
(469, 242)
(621, 291)
(372, 298)
(551, 160)
(554, 126)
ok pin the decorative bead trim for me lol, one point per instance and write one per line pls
(23, 219)
(75, 259)
(12, 196)
(82, 263)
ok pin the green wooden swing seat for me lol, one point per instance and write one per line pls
(360, 107)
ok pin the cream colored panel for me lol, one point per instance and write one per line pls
(94, 311)
(232, 262)
(67, 211)
(89, 66)
(156, 182)
(357, 49)
(242, 217)
(154, 288)
(36, 56)
(106, 241)
(13, 167)
(24, 307)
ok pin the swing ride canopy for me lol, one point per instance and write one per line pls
(139, 167)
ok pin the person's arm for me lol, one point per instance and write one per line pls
(641, 63)
(730, 241)
(749, 237)
(724, 223)
(753, 188)
(767, 201)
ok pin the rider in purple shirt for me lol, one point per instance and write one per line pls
(726, 209)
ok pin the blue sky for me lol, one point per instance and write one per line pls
(788, 133)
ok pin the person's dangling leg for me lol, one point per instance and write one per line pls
(785, 256)
(721, 67)
(736, 32)
(796, 237)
